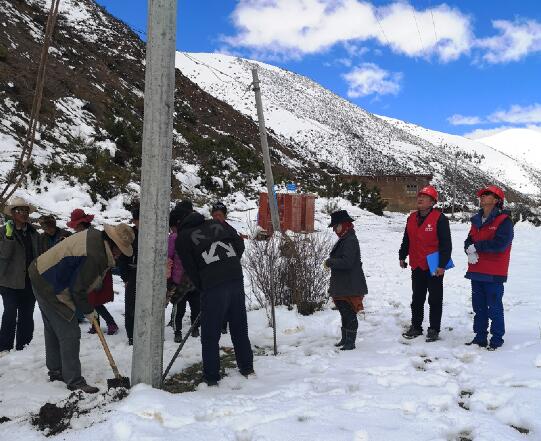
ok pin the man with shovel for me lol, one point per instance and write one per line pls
(62, 278)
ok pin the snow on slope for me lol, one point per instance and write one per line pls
(513, 171)
(520, 143)
(388, 389)
(325, 127)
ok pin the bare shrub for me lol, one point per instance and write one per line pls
(289, 270)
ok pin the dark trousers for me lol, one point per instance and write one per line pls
(102, 312)
(348, 315)
(17, 319)
(487, 304)
(179, 309)
(224, 301)
(129, 305)
(421, 281)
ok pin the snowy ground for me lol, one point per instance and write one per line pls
(387, 389)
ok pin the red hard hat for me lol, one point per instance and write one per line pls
(429, 191)
(492, 189)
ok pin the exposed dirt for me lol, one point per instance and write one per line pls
(4, 419)
(522, 430)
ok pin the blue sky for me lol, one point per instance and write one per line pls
(459, 66)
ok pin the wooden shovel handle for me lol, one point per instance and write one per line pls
(105, 347)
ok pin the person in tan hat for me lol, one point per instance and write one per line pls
(20, 243)
(62, 277)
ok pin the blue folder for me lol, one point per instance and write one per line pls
(433, 261)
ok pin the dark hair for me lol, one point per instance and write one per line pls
(185, 205)
(85, 225)
(135, 212)
(178, 215)
(219, 206)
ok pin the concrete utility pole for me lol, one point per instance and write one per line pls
(147, 360)
(275, 217)
(454, 185)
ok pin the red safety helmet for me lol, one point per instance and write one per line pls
(492, 189)
(429, 191)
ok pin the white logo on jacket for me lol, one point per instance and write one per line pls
(210, 256)
(429, 228)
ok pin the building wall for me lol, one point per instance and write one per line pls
(400, 191)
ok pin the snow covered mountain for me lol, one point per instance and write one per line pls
(88, 150)
(324, 126)
(523, 144)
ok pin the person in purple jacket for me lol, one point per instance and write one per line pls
(179, 283)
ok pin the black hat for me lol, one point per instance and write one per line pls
(340, 216)
(219, 206)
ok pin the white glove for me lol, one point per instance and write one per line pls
(473, 258)
(471, 249)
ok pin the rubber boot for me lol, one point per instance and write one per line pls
(351, 336)
(343, 339)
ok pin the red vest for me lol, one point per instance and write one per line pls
(423, 239)
(495, 264)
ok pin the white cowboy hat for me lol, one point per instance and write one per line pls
(122, 235)
(17, 201)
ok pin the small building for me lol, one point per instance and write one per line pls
(399, 191)
(296, 211)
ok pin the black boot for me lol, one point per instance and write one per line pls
(412, 332)
(343, 339)
(178, 337)
(351, 336)
(432, 335)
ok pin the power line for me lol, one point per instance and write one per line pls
(381, 27)
(417, 25)
(433, 22)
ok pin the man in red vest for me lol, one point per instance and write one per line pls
(488, 247)
(427, 232)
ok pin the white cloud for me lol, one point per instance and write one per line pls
(368, 79)
(518, 115)
(461, 120)
(297, 27)
(483, 133)
(515, 41)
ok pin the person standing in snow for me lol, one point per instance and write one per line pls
(61, 278)
(210, 254)
(128, 273)
(51, 233)
(488, 247)
(218, 212)
(20, 243)
(427, 231)
(80, 221)
(179, 283)
(348, 284)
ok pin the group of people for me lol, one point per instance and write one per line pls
(427, 233)
(70, 276)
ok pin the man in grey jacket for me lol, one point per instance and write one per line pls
(20, 243)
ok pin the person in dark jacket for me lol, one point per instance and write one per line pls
(210, 254)
(20, 243)
(51, 233)
(488, 247)
(80, 221)
(427, 231)
(347, 285)
(128, 273)
(179, 282)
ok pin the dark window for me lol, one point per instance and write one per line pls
(411, 189)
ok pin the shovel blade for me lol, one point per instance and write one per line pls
(118, 382)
